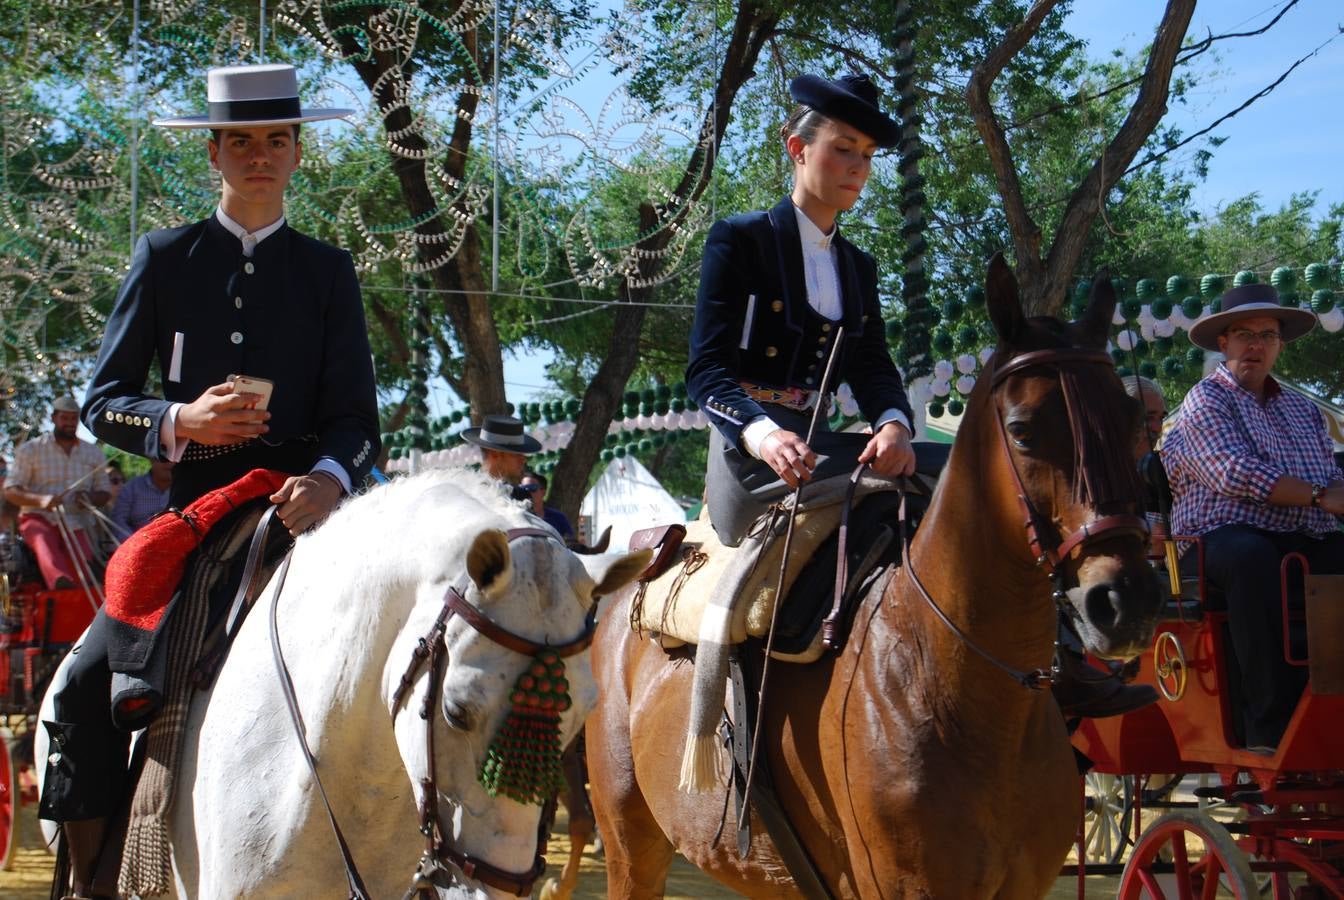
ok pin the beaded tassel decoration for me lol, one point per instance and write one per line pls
(523, 761)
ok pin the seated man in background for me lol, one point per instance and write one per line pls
(536, 484)
(144, 496)
(1149, 396)
(54, 477)
(1252, 472)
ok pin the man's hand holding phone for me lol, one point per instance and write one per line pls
(223, 415)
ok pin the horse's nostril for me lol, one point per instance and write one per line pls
(1101, 605)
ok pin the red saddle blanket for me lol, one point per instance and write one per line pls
(146, 569)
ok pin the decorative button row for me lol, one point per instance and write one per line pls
(363, 454)
(236, 337)
(724, 410)
(123, 419)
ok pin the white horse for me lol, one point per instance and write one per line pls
(247, 820)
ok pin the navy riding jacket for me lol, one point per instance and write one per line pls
(290, 313)
(752, 323)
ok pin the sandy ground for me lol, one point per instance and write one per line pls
(29, 877)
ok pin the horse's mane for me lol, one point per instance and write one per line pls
(400, 532)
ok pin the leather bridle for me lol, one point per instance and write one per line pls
(1049, 557)
(432, 649)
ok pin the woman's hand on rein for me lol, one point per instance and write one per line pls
(789, 456)
(889, 452)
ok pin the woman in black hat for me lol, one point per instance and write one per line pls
(776, 287)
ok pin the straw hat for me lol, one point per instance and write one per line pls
(1251, 301)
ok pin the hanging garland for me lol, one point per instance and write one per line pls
(913, 351)
(1147, 323)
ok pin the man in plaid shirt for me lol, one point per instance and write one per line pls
(1252, 471)
(45, 469)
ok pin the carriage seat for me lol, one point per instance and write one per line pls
(1198, 595)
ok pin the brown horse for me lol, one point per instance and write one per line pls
(910, 764)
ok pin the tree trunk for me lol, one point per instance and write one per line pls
(460, 277)
(751, 28)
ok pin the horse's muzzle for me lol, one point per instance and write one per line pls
(1116, 617)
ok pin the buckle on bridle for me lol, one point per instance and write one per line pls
(1040, 679)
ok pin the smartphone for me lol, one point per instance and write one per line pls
(246, 384)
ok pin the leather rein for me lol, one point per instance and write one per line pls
(1049, 557)
(432, 651)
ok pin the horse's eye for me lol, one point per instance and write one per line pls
(1020, 432)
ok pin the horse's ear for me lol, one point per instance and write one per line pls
(1096, 320)
(613, 571)
(488, 561)
(1004, 303)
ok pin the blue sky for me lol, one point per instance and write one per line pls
(1287, 142)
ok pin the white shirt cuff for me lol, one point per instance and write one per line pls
(893, 415)
(756, 431)
(172, 447)
(334, 469)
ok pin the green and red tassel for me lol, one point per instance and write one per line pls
(523, 761)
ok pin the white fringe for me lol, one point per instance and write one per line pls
(701, 764)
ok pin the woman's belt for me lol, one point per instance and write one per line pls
(793, 398)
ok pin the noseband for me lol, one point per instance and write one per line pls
(1049, 558)
(432, 648)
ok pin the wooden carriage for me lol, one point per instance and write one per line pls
(37, 628)
(1285, 838)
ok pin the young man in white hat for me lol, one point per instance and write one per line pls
(1251, 470)
(238, 294)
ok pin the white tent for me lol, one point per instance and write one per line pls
(628, 498)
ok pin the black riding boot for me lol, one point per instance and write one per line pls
(1084, 691)
(84, 840)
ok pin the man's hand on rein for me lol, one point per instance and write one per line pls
(306, 500)
(889, 451)
(789, 456)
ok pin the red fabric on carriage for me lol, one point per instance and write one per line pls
(146, 569)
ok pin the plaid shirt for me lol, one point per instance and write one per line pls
(1226, 451)
(138, 502)
(42, 467)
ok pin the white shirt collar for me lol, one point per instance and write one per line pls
(241, 233)
(811, 234)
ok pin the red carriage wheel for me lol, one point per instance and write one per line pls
(9, 804)
(1205, 862)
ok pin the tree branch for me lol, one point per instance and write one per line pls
(873, 66)
(1086, 200)
(1026, 233)
(752, 27)
(1264, 92)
